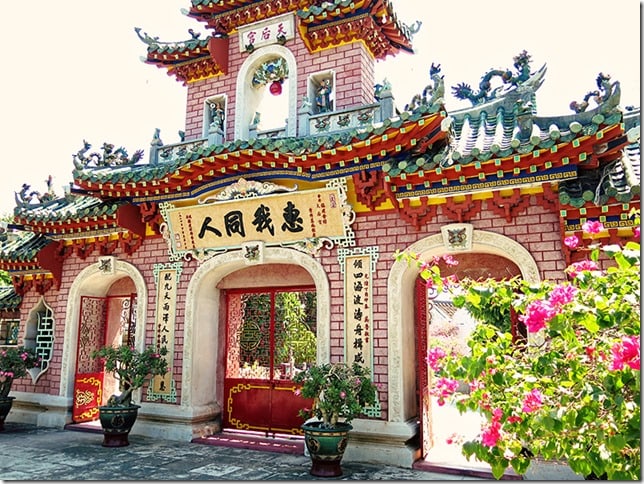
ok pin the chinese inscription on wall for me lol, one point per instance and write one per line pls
(275, 219)
(271, 31)
(358, 309)
(167, 277)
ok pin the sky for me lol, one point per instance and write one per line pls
(72, 70)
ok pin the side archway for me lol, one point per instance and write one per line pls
(92, 281)
(400, 297)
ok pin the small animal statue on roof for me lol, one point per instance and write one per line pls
(432, 93)
(486, 93)
(109, 157)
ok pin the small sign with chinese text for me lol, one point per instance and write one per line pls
(165, 319)
(358, 310)
(271, 31)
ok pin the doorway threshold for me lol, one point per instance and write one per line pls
(94, 426)
(279, 443)
(470, 469)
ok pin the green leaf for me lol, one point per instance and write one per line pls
(498, 469)
(616, 443)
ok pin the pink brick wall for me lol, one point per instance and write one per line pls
(537, 230)
(352, 63)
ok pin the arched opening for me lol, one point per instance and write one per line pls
(267, 82)
(440, 324)
(212, 328)
(103, 308)
(404, 385)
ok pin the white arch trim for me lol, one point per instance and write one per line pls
(204, 323)
(244, 89)
(91, 281)
(400, 298)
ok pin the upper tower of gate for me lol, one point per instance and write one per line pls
(294, 60)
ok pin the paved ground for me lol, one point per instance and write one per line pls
(30, 453)
(35, 453)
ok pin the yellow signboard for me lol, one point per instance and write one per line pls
(272, 219)
(166, 311)
(358, 304)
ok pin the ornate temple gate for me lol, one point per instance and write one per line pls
(271, 333)
(95, 331)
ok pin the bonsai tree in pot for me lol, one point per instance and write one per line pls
(132, 369)
(15, 362)
(340, 392)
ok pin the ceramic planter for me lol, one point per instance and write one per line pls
(326, 447)
(5, 407)
(117, 423)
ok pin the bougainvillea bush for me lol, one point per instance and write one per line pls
(571, 392)
(15, 363)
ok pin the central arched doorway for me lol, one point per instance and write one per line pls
(271, 335)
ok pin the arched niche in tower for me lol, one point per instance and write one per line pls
(263, 67)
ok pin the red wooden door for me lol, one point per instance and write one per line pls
(270, 334)
(423, 387)
(88, 381)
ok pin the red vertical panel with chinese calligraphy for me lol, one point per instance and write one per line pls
(88, 381)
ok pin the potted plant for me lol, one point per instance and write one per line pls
(132, 369)
(571, 392)
(15, 362)
(339, 393)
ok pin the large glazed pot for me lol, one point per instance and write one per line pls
(326, 447)
(5, 407)
(117, 423)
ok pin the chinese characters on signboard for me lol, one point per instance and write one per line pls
(165, 318)
(274, 219)
(358, 310)
(271, 31)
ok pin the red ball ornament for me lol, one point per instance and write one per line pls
(275, 88)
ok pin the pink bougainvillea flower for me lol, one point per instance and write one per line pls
(636, 232)
(449, 260)
(572, 242)
(491, 435)
(592, 227)
(492, 432)
(434, 356)
(562, 294)
(538, 313)
(454, 438)
(443, 388)
(532, 401)
(626, 353)
(577, 268)
(476, 385)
